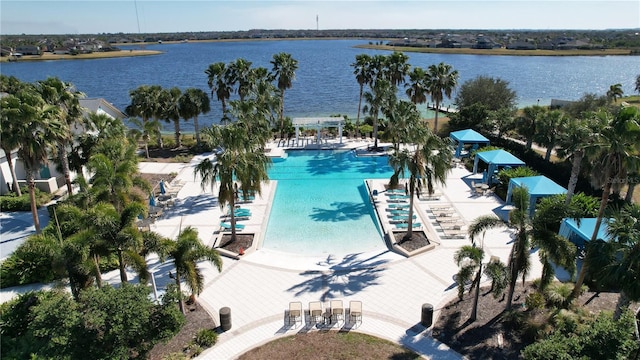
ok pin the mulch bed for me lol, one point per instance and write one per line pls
(243, 241)
(418, 240)
(479, 339)
(197, 319)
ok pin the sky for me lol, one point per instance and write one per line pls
(151, 16)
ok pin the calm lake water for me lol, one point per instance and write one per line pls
(325, 84)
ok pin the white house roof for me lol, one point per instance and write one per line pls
(101, 106)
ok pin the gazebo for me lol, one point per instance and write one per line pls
(538, 187)
(465, 137)
(496, 159)
(319, 123)
(579, 234)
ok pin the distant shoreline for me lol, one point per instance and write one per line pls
(498, 52)
(47, 56)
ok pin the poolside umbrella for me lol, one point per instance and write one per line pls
(152, 200)
(163, 189)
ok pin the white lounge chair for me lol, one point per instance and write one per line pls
(315, 313)
(295, 313)
(355, 312)
(337, 311)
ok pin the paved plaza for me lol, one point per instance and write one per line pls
(258, 286)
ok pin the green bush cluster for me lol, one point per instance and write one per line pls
(32, 262)
(12, 202)
(206, 338)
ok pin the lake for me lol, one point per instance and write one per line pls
(325, 84)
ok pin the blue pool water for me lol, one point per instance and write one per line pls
(321, 204)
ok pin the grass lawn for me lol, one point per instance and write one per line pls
(330, 345)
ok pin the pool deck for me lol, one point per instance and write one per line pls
(259, 286)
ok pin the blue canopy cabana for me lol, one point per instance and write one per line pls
(579, 234)
(538, 187)
(495, 159)
(468, 136)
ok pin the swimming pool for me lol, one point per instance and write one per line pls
(321, 205)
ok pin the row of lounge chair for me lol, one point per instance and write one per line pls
(449, 221)
(320, 315)
(398, 214)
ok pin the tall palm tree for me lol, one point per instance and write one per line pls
(39, 129)
(548, 127)
(616, 151)
(526, 124)
(416, 88)
(146, 104)
(637, 88)
(427, 165)
(221, 85)
(238, 160)
(396, 68)
(615, 92)
(10, 137)
(171, 110)
(186, 252)
(574, 140)
(441, 81)
(240, 75)
(284, 68)
(194, 102)
(403, 123)
(382, 93)
(362, 71)
(63, 95)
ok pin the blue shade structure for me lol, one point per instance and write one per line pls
(464, 137)
(538, 187)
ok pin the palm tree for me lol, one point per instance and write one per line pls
(403, 123)
(637, 88)
(171, 110)
(146, 104)
(428, 164)
(39, 129)
(143, 131)
(553, 248)
(416, 88)
(574, 140)
(284, 68)
(615, 92)
(240, 74)
(619, 256)
(396, 68)
(194, 102)
(362, 71)
(238, 160)
(381, 94)
(441, 81)
(63, 95)
(616, 150)
(519, 262)
(115, 173)
(220, 83)
(469, 259)
(526, 125)
(10, 137)
(548, 127)
(186, 252)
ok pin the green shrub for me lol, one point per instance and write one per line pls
(32, 262)
(559, 295)
(535, 300)
(15, 203)
(206, 338)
